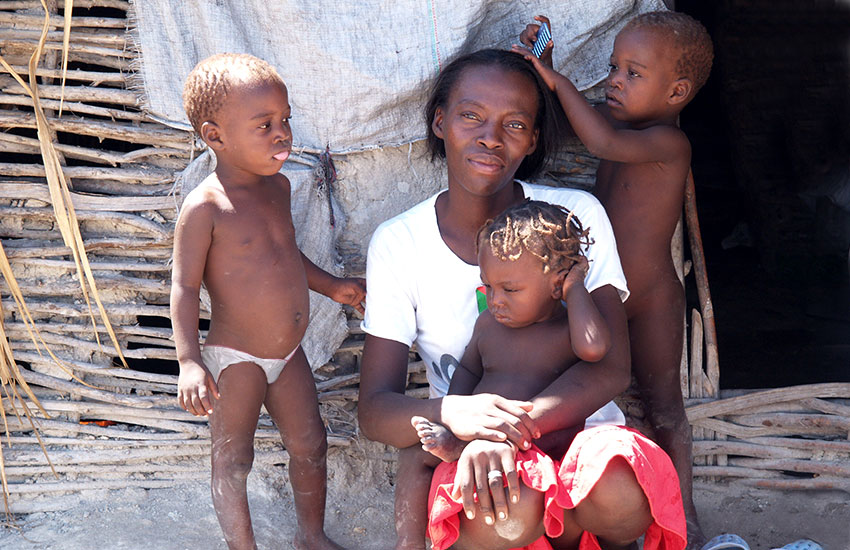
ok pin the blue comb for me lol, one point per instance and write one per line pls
(543, 38)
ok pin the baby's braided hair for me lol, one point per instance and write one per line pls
(549, 232)
(687, 36)
(213, 79)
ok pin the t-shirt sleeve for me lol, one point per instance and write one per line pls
(390, 307)
(604, 266)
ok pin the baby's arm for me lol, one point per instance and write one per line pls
(192, 238)
(589, 334)
(659, 143)
(344, 290)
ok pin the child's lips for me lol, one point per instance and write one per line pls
(611, 100)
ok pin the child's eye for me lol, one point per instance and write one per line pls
(611, 67)
(286, 119)
(263, 126)
(516, 125)
(470, 116)
(633, 74)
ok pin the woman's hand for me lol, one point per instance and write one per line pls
(488, 416)
(482, 469)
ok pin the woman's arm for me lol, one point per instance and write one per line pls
(384, 411)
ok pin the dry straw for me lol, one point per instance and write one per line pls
(63, 208)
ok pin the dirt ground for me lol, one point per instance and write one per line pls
(359, 513)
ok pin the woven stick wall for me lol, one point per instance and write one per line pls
(122, 166)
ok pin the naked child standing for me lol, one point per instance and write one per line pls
(235, 234)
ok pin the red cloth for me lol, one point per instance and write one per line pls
(566, 485)
(589, 455)
(535, 469)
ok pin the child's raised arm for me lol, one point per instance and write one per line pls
(657, 143)
(192, 238)
(344, 290)
(589, 334)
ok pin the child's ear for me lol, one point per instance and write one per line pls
(437, 123)
(211, 134)
(558, 284)
(680, 91)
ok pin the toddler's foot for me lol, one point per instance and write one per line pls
(317, 542)
(437, 439)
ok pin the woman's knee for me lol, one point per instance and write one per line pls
(523, 525)
(616, 509)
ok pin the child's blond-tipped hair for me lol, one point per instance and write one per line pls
(208, 85)
(548, 232)
(687, 35)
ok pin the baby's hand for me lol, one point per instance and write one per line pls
(575, 276)
(195, 385)
(349, 291)
(529, 36)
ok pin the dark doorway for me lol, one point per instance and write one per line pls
(771, 158)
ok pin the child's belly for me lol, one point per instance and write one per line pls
(263, 310)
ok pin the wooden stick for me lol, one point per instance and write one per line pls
(94, 77)
(68, 265)
(147, 134)
(813, 446)
(87, 202)
(746, 432)
(821, 483)
(820, 467)
(792, 393)
(36, 4)
(57, 21)
(732, 471)
(134, 175)
(702, 448)
(703, 293)
(87, 37)
(75, 107)
(89, 94)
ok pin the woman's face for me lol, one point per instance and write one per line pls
(488, 127)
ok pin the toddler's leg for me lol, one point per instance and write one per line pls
(437, 439)
(293, 404)
(232, 423)
(656, 334)
(413, 481)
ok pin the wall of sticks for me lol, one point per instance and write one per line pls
(115, 427)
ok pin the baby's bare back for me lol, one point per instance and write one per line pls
(644, 203)
(254, 272)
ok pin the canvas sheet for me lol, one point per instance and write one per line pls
(358, 70)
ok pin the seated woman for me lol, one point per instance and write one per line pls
(492, 119)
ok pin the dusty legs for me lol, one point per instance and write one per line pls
(292, 402)
(294, 406)
(656, 333)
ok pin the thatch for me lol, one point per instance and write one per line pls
(121, 165)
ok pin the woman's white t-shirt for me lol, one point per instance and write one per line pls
(420, 291)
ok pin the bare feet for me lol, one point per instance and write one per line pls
(317, 542)
(437, 439)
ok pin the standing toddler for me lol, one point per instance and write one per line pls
(235, 234)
